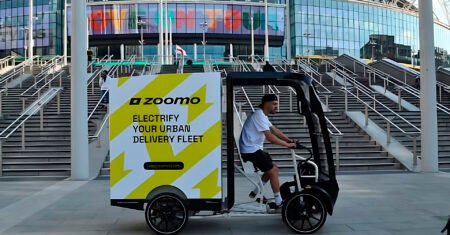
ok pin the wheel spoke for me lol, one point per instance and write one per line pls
(309, 222)
(313, 217)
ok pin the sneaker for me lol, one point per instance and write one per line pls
(274, 206)
(253, 195)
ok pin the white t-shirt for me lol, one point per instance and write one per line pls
(252, 136)
(104, 85)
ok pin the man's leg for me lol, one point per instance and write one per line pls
(272, 175)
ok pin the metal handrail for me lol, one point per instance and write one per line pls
(38, 81)
(387, 78)
(324, 89)
(384, 106)
(40, 101)
(48, 83)
(99, 130)
(248, 99)
(5, 62)
(97, 105)
(337, 134)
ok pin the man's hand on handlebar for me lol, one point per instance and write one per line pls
(291, 145)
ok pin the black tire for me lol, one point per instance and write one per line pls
(166, 214)
(304, 213)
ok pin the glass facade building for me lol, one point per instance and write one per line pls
(47, 23)
(361, 29)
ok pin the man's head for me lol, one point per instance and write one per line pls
(104, 73)
(269, 104)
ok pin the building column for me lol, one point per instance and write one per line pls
(65, 32)
(266, 31)
(288, 31)
(79, 127)
(429, 129)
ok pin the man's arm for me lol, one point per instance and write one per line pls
(280, 134)
(275, 140)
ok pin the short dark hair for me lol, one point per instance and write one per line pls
(268, 98)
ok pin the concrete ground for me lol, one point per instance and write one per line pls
(368, 204)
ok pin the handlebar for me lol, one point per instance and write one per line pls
(299, 146)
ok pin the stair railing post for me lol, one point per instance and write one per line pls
(405, 77)
(41, 118)
(385, 88)
(364, 71)
(334, 75)
(399, 99)
(23, 103)
(23, 136)
(338, 160)
(354, 66)
(388, 132)
(366, 115)
(290, 101)
(326, 100)
(370, 78)
(60, 80)
(374, 101)
(414, 150)
(58, 102)
(346, 99)
(440, 94)
(279, 103)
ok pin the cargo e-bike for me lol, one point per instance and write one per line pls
(165, 144)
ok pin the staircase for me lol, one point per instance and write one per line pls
(47, 151)
(413, 117)
(357, 152)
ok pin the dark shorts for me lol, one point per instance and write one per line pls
(260, 160)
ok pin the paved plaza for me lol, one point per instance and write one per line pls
(367, 204)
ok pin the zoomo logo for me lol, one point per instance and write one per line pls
(167, 100)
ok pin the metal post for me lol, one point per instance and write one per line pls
(337, 154)
(23, 136)
(252, 40)
(30, 31)
(65, 32)
(79, 127)
(388, 132)
(366, 115)
(370, 77)
(41, 118)
(170, 41)
(161, 39)
(266, 31)
(334, 75)
(415, 151)
(428, 89)
(166, 19)
(346, 99)
(399, 99)
(405, 77)
(58, 103)
(290, 100)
